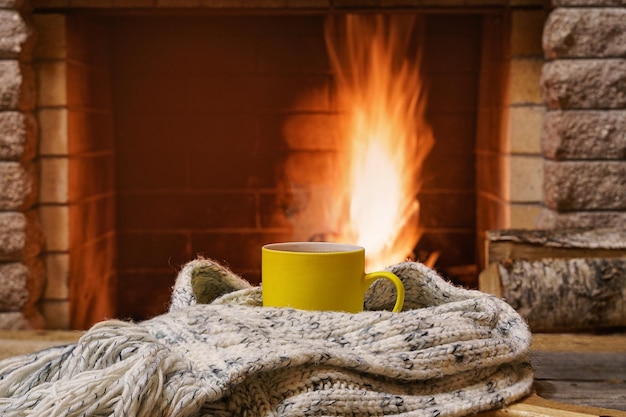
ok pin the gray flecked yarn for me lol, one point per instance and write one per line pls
(451, 352)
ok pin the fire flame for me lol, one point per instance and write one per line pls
(385, 136)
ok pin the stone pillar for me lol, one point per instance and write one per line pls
(584, 132)
(21, 270)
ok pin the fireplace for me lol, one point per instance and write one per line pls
(166, 131)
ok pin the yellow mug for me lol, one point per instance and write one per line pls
(319, 276)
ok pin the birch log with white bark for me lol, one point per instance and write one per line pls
(562, 294)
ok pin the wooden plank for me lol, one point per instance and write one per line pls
(538, 401)
(535, 406)
(579, 366)
(578, 342)
(582, 369)
(605, 394)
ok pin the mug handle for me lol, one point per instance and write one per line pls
(373, 276)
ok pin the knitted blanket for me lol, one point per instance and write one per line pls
(217, 352)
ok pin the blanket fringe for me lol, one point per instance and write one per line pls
(115, 369)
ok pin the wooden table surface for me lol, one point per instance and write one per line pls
(576, 375)
(581, 369)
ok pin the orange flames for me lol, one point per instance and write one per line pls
(385, 137)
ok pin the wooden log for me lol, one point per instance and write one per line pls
(562, 294)
(539, 244)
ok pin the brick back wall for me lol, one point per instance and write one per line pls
(91, 185)
(77, 191)
(448, 197)
(199, 106)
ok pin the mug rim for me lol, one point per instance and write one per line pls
(309, 247)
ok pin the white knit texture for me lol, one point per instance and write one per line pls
(451, 352)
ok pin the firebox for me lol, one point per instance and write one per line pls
(171, 132)
(219, 149)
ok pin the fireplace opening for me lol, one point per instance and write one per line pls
(183, 127)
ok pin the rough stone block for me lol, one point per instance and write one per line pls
(550, 219)
(588, 32)
(19, 136)
(15, 35)
(13, 320)
(581, 185)
(17, 86)
(584, 135)
(12, 235)
(585, 84)
(21, 284)
(13, 279)
(21, 236)
(17, 186)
